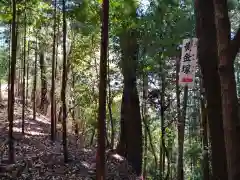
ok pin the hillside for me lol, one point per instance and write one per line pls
(38, 158)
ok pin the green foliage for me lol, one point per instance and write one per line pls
(3, 63)
(160, 29)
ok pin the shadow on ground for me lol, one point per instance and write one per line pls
(39, 158)
(36, 155)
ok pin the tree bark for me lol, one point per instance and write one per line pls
(11, 98)
(130, 144)
(27, 73)
(228, 87)
(102, 93)
(181, 127)
(180, 157)
(204, 130)
(35, 82)
(53, 105)
(44, 100)
(162, 141)
(64, 84)
(24, 70)
(121, 147)
(145, 118)
(110, 99)
(208, 60)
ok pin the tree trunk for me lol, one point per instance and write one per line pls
(27, 73)
(205, 161)
(131, 138)
(111, 122)
(181, 123)
(64, 84)
(92, 136)
(9, 66)
(60, 115)
(110, 108)
(208, 60)
(53, 105)
(145, 118)
(181, 128)
(18, 78)
(147, 130)
(35, 82)
(180, 160)
(44, 101)
(102, 93)
(228, 87)
(24, 70)
(11, 98)
(76, 128)
(162, 141)
(56, 69)
(121, 147)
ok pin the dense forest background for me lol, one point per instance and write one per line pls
(107, 73)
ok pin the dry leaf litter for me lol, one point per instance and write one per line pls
(37, 158)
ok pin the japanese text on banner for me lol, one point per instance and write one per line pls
(188, 62)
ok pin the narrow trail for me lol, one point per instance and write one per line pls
(37, 157)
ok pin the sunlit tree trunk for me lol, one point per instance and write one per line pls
(11, 98)
(9, 63)
(24, 70)
(27, 73)
(43, 101)
(35, 81)
(110, 99)
(56, 70)
(145, 118)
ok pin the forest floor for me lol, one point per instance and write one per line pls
(38, 158)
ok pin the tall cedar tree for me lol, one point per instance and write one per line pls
(35, 80)
(24, 69)
(102, 93)
(181, 123)
(11, 98)
(205, 160)
(43, 100)
(145, 117)
(53, 111)
(9, 64)
(130, 144)
(228, 87)
(64, 83)
(27, 72)
(181, 128)
(208, 60)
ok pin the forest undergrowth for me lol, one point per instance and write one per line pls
(37, 157)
